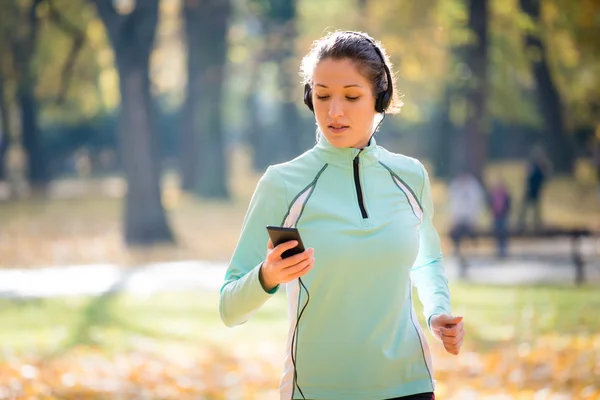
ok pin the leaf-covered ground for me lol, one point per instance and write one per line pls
(524, 343)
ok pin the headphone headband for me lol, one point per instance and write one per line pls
(382, 100)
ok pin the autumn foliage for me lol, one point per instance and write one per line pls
(553, 368)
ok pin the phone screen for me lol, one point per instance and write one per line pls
(279, 235)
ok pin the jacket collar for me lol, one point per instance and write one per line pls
(344, 157)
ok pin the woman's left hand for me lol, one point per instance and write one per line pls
(450, 330)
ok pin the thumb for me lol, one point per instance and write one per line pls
(446, 319)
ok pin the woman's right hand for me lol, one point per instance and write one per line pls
(276, 270)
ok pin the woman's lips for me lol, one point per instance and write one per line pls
(338, 128)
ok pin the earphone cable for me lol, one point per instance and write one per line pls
(295, 335)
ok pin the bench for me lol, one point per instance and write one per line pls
(574, 235)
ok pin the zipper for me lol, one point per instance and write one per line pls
(359, 192)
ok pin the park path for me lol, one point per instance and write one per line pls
(519, 269)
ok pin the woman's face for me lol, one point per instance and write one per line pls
(344, 103)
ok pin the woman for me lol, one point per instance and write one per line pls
(366, 213)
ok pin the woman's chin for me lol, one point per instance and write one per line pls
(338, 140)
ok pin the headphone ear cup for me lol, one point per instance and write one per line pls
(383, 101)
(384, 98)
(308, 97)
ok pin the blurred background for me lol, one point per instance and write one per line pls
(133, 134)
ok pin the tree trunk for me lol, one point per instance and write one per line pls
(472, 154)
(204, 161)
(5, 134)
(145, 221)
(254, 131)
(37, 171)
(559, 145)
(444, 138)
(23, 46)
(190, 148)
(260, 136)
(132, 36)
(290, 132)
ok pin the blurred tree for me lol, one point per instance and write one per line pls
(440, 71)
(204, 166)
(571, 30)
(20, 23)
(251, 59)
(132, 33)
(5, 124)
(558, 143)
(462, 127)
(428, 42)
(256, 130)
(472, 152)
(70, 92)
(278, 24)
(282, 32)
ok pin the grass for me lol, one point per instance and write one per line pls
(120, 322)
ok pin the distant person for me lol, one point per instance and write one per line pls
(500, 204)
(365, 215)
(538, 172)
(467, 200)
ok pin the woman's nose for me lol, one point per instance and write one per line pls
(335, 109)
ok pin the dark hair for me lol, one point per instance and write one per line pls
(357, 47)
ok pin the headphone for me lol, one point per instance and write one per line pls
(382, 100)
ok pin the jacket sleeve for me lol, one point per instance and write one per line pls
(428, 273)
(242, 293)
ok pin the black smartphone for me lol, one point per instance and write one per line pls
(280, 234)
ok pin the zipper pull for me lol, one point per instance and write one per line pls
(356, 159)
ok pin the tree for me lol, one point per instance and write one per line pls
(570, 37)
(257, 133)
(283, 139)
(5, 124)
(560, 147)
(22, 24)
(473, 150)
(132, 37)
(282, 32)
(21, 27)
(204, 165)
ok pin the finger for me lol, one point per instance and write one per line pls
(450, 320)
(269, 245)
(452, 330)
(452, 349)
(454, 344)
(297, 258)
(452, 340)
(282, 248)
(446, 320)
(448, 332)
(294, 270)
(299, 273)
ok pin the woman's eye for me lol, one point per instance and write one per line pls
(322, 97)
(352, 98)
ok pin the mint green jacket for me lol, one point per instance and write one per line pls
(367, 214)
